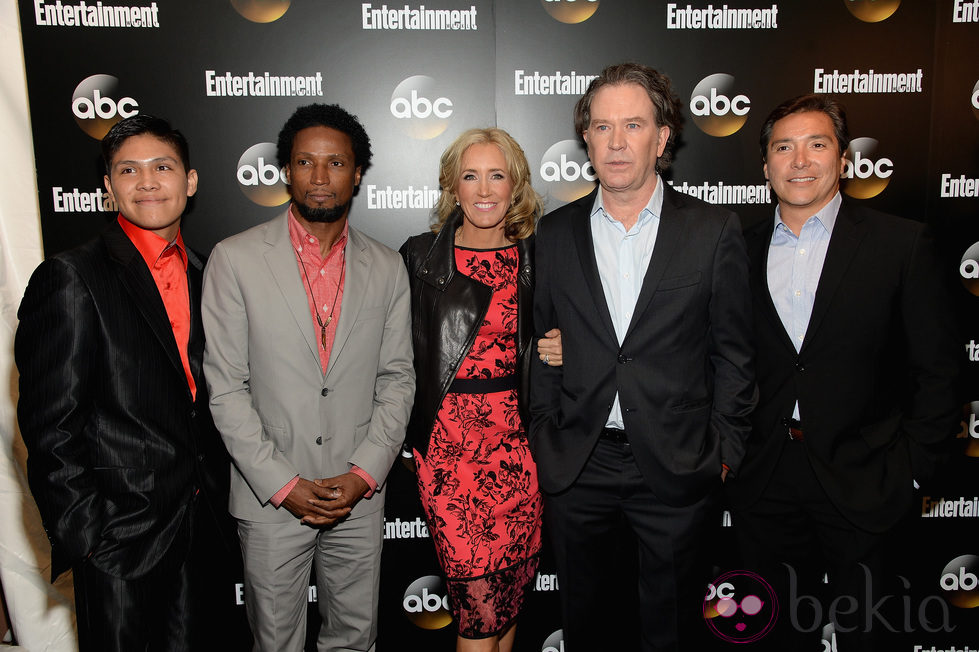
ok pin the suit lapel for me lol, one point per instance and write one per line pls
(281, 260)
(356, 280)
(581, 228)
(758, 242)
(195, 345)
(667, 237)
(848, 233)
(139, 284)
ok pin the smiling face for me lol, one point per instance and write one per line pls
(803, 165)
(484, 191)
(624, 140)
(322, 174)
(148, 183)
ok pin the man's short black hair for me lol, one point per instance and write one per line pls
(325, 115)
(143, 123)
(811, 102)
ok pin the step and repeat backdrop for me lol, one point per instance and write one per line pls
(229, 72)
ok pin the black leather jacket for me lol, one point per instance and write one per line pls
(446, 310)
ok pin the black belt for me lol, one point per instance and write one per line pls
(614, 435)
(794, 427)
(484, 385)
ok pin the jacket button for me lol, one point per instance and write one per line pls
(623, 359)
(319, 441)
(193, 414)
(441, 280)
(324, 391)
(800, 367)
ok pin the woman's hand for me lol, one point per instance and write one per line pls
(549, 348)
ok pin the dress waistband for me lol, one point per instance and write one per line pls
(484, 385)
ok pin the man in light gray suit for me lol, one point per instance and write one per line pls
(309, 365)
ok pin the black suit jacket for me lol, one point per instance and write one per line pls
(684, 370)
(116, 444)
(876, 374)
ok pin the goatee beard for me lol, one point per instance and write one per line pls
(322, 215)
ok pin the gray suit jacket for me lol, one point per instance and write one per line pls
(277, 412)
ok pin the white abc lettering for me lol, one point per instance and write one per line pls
(266, 173)
(965, 581)
(969, 268)
(420, 107)
(567, 170)
(560, 647)
(433, 602)
(975, 99)
(972, 427)
(719, 104)
(103, 107)
(725, 590)
(412, 604)
(864, 168)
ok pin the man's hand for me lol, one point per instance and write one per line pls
(307, 502)
(345, 490)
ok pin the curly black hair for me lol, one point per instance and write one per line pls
(325, 115)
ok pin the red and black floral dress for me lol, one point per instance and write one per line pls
(478, 482)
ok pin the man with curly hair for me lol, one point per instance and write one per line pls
(310, 369)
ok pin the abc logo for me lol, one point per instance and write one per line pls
(970, 428)
(969, 269)
(570, 11)
(261, 11)
(260, 178)
(740, 607)
(426, 604)
(872, 11)
(960, 582)
(554, 642)
(975, 100)
(96, 108)
(718, 110)
(566, 171)
(866, 175)
(421, 109)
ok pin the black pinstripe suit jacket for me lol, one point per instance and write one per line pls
(115, 441)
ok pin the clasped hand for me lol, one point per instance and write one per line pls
(324, 502)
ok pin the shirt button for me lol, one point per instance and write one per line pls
(798, 293)
(802, 252)
(322, 272)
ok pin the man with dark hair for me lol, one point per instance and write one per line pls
(310, 369)
(856, 363)
(650, 411)
(113, 406)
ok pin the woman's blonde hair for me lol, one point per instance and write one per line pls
(525, 203)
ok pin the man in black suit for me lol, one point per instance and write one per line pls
(856, 364)
(650, 411)
(113, 404)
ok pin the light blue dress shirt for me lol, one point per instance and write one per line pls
(795, 263)
(623, 257)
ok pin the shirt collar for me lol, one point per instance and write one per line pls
(302, 240)
(825, 217)
(653, 208)
(151, 246)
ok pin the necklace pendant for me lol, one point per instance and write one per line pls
(323, 334)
